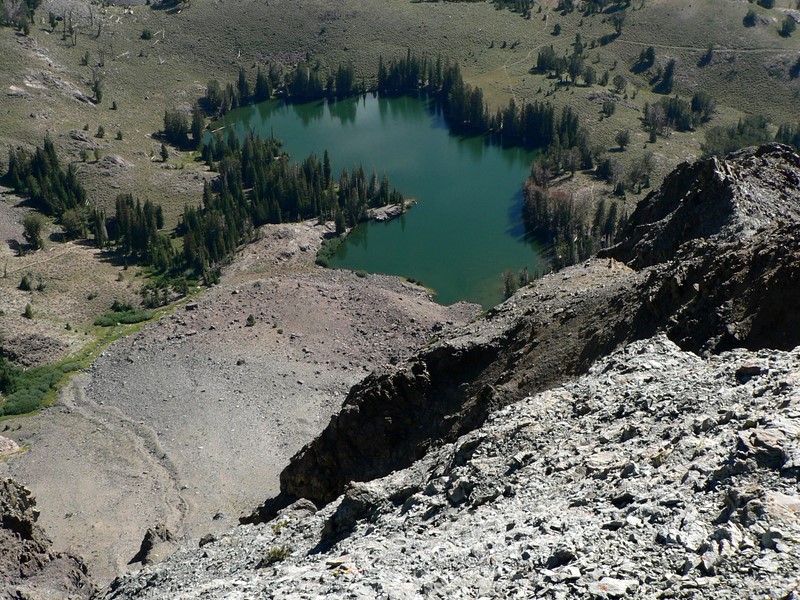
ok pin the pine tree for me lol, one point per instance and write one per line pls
(33, 226)
(198, 123)
(243, 87)
(326, 169)
(263, 89)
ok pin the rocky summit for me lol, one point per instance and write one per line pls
(626, 427)
(657, 474)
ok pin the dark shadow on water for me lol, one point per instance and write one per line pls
(403, 106)
(520, 233)
(435, 110)
(308, 112)
(344, 110)
(516, 228)
(472, 146)
(341, 253)
(265, 109)
(359, 238)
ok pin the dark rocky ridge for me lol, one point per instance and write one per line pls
(721, 200)
(28, 566)
(711, 259)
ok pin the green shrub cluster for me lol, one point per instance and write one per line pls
(26, 390)
(127, 317)
(327, 250)
(40, 175)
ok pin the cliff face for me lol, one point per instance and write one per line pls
(711, 259)
(719, 200)
(28, 566)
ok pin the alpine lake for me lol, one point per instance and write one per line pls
(466, 228)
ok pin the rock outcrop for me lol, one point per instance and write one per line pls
(657, 474)
(29, 568)
(719, 200)
(712, 258)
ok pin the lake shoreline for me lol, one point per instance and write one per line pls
(467, 230)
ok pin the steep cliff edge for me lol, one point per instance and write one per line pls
(712, 258)
(721, 200)
(28, 566)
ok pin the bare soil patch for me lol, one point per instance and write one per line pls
(189, 422)
(72, 283)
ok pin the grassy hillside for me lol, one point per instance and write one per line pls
(749, 70)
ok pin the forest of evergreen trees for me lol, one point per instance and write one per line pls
(302, 83)
(40, 175)
(575, 228)
(529, 124)
(749, 131)
(257, 184)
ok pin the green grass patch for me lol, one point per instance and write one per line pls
(128, 317)
(28, 390)
(327, 250)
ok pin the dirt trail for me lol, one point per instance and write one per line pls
(141, 438)
(52, 256)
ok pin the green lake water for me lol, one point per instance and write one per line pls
(466, 228)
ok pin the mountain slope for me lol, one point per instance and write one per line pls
(670, 468)
(712, 258)
(658, 472)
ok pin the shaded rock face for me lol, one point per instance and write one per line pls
(721, 200)
(28, 566)
(158, 542)
(715, 297)
(657, 474)
(712, 259)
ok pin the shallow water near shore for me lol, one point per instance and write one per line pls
(466, 228)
